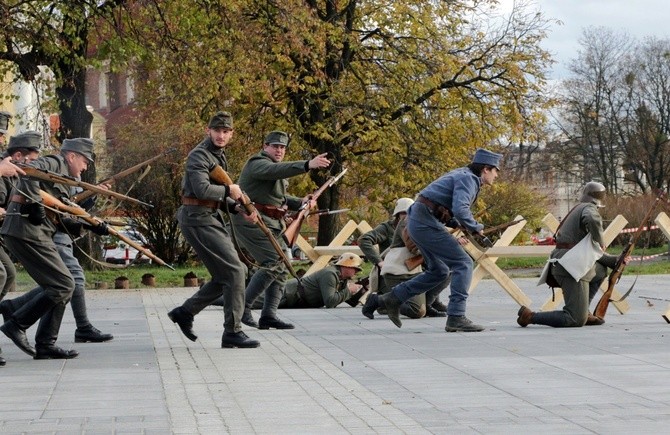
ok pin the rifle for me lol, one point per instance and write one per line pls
(603, 303)
(355, 298)
(45, 175)
(291, 233)
(116, 177)
(220, 176)
(54, 203)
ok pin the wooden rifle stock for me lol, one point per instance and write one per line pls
(42, 174)
(603, 303)
(116, 177)
(220, 176)
(53, 202)
(290, 235)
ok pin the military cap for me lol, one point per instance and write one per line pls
(4, 122)
(486, 157)
(221, 120)
(28, 139)
(276, 137)
(81, 145)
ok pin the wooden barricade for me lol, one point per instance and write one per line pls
(320, 256)
(485, 259)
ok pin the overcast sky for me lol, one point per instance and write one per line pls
(638, 18)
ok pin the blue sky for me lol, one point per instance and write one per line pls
(639, 19)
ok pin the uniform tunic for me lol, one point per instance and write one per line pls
(204, 230)
(457, 191)
(264, 181)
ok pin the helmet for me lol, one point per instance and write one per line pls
(402, 205)
(593, 192)
(349, 259)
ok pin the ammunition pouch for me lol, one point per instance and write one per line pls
(272, 211)
(441, 212)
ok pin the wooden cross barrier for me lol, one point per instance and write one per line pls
(486, 261)
(663, 222)
(320, 256)
(610, 233)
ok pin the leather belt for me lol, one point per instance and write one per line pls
(20, 199)
(442, 213)
(565, 245)
(271, 211)
(201, 202)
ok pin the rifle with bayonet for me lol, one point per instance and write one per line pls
(220, 176)
(45, 175)
(116, 177)
(291, 233)
(56, 204)
(615, 275)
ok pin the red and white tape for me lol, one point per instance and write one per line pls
(647, 257)
(632, 230)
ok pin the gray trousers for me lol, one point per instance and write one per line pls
(44, 264)
(577, 295)
(216, 251)
(65, 247)
(271, 278)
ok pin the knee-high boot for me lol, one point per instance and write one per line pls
(47, 334)
(24, 318)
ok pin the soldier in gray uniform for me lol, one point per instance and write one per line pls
(22, 148)
(201, 223)
(28, 233)
(583, 219)
(327, 287)
(25, 148)
(263, 179)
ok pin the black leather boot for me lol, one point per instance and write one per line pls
(2, 360)
(273, 322)
(91, 334)
(184, 320)
(237, 339)
(49, 326)
(371, 304)
(6, 309)
(23, 318)
(391, 303)
(51, 351)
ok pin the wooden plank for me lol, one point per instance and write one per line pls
(337, 250)
(306, 248)
(338, 240)
(505, 239)
(519, 251)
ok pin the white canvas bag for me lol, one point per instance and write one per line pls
(581, 257)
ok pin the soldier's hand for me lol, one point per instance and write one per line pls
(235, 192)
(251, 218)
(9, 169)
(463, 241)
(35, 212)
(319, 161)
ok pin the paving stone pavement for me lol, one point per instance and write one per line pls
(339, 372)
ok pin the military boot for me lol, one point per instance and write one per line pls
(248, 318)
(391, 303)
(91, 334)
(461, 324)
(184, 320)
(237, 339)
(24, 318)
(525, 317)
(592, 320)
(371, 304)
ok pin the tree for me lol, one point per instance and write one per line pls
(595, 107)
(399, 91)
